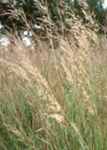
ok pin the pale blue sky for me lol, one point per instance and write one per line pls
(104, 4)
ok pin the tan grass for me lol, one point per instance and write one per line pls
(16, 66)
(50, 68)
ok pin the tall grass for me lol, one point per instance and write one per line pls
(52, 95)
(25, 125)
(53, 98)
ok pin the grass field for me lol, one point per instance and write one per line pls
(53, 104)
(24, 124)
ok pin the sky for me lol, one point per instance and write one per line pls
(104, 4)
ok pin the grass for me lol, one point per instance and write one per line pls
(23, 126)
(61, 109)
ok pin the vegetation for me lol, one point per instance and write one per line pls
(53, 94)
(19, 14)
(25, 125)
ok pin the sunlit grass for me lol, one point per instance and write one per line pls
(24, 126)
(52, 100)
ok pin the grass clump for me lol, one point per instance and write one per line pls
(24, 124)
(53, 97)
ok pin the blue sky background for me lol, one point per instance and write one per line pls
(104, 4)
